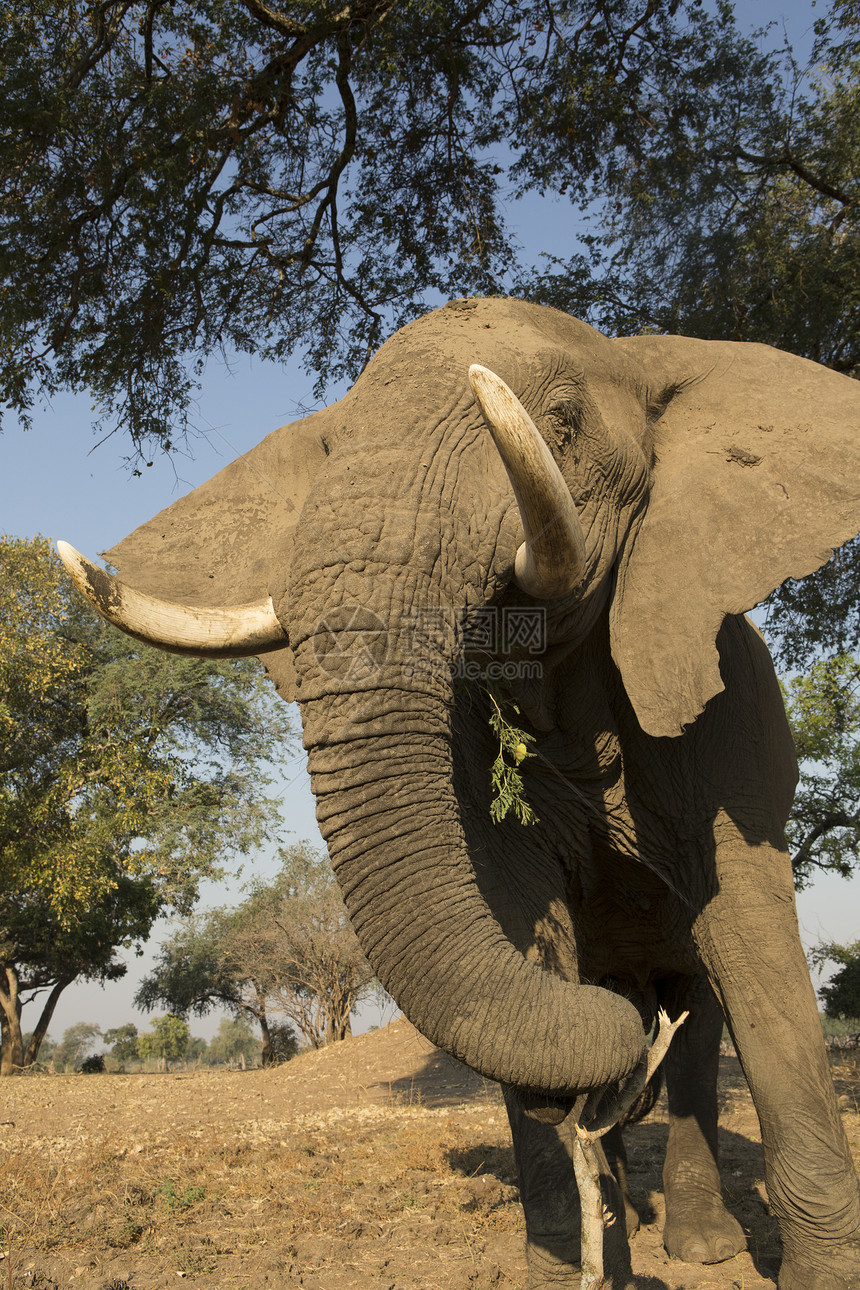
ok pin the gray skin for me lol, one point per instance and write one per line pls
(704, 474)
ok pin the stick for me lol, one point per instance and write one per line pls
(620, 1104)
(595, 1216)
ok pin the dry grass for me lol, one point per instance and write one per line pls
(380, 1164)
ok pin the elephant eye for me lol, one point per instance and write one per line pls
(569, 416)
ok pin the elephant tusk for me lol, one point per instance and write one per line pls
(183, 629)
(551, 561)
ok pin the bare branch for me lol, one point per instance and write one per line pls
(613, 1110)
(595, 1217)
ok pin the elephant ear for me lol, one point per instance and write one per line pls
(756, 479)
(229, 542)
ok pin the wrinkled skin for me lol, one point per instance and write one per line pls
(704, 474)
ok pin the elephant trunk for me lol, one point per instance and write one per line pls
(387, 808)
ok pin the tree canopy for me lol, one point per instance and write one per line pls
(181, 179)
(823, 707)
(732, 211)
(126, 775)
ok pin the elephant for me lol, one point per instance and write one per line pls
(512, 522)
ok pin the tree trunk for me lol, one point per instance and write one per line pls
(44, 1021)
(11, 1040)
(266, 1054)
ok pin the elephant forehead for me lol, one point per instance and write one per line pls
(498, 333)
(435, 501)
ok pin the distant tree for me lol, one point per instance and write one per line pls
(233, 1042)
(75, 1045)
(295, 938)
(841, 995)
(167, 1041)
(287, 950)
(195, 972)
(126, 775)
(122, 1041)
(197, 1049)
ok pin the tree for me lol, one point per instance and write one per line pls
(195, 972)
(181, 178)
(122, 1041)
(75, 1045)
(823, 708)
(125, 776)
(167, 1041)
(47, 1048)
(288, 949)
(733, 213)
(232, 1042)
(842, 994)
(295, 937)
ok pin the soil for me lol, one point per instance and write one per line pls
(376, 1164)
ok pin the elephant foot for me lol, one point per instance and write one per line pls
(631, 1216)
(837, 1268)
(553, 1264)
(702, 1231)
(558, 1268)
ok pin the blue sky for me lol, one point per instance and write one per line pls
(56, 482)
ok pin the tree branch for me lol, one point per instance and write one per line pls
(786, 159)
(106, 34)
(834, 820)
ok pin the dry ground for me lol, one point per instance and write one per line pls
(379, 1164)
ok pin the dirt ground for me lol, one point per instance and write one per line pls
(378, 1164)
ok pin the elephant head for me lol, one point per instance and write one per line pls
(661, 482)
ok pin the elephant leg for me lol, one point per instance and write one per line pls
(616, 1156)
(699, 1228)
(548, 1191)
(749, 942)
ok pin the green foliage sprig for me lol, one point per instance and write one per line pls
(505, 778)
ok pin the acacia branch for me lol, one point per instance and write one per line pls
(620, 1103)
(595, 1216)
(274, 18)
